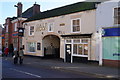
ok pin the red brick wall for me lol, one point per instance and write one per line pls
(111, 63)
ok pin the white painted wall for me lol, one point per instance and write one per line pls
(105, 14)
(104, 19)
(87, 27)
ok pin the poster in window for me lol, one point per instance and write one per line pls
(38, 46)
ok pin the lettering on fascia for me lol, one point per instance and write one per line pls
(62, 24)
(41, 27)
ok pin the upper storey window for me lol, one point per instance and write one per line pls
(76, 25)
(117, 15)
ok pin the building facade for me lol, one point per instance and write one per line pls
(108, 25)
(12, 24)
(8, 32)
(66, 32)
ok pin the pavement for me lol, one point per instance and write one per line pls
(0, 52)
(85, 68)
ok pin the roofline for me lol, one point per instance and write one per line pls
(57, 16)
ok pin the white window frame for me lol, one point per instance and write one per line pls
(6, 28)
(72, 25)
(72, 43)
(114, 16)
(33, 32)
(28, 49)
(15, 27)
(52, 28)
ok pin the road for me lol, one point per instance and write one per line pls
(32, 69)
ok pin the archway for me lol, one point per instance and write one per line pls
(51, 46)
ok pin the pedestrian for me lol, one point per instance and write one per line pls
(21, 53)
(16, 55)
(3, 48)
(6, 51)
(11, 49)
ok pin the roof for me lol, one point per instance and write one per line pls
(28, 13)
(77, 7)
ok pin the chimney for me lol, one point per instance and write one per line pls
(19, 9)
(36, 9)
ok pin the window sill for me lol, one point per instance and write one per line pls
(80, 55)
(76, 32)
(31, 52)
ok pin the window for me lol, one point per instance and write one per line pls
(117, 15)
(84, 40)
(76, 25)
(38, 46)
(6, 28)
(31, 47)
(31, 30)
(50, 27)
(15, 27)
(15, 40)
(80, 46)
(68, 41)
(80, 49)
(76, 41)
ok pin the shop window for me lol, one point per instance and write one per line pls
(31, 47)
(76, 25)
(31, 30)
(80, 49)
(75, 49)
(68, 41)
(85, 49)
(117, 15)
(84, 40)
(76, 41)
(50, 27)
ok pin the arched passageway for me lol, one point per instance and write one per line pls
(51, 46)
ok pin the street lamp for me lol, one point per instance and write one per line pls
(20, 34)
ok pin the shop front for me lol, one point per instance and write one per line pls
(111, 48)
(77, 46)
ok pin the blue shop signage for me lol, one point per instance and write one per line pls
(111, 32)
(15, 34)
(3, 37)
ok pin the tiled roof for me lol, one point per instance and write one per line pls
(77, 7)
(28, 13)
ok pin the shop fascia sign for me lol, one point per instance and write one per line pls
(41, 27)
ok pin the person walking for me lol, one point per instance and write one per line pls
(3, 48)
(21, 53)
(6, 51)
(11, 49)
(16, 55)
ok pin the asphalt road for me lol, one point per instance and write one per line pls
(32, 69)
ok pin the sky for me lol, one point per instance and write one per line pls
(7, 8)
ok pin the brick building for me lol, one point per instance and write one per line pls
(11, 24)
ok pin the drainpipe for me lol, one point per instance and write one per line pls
(100, 47)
